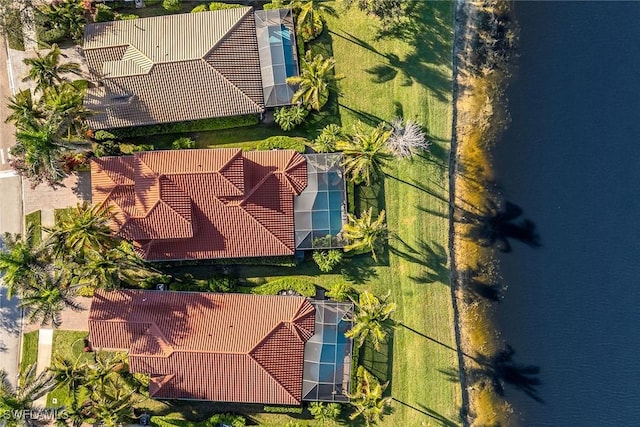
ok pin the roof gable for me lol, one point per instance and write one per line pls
(224, 347)
(246, 210)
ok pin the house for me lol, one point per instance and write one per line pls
(207, 346)
(202, 204)
(189, 66)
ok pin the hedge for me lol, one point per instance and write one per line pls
(215, 420)
(221, 6)
(301, 285)
(284, 409)
(215, 123)
(283, 143)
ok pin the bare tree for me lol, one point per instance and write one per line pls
(407, 138)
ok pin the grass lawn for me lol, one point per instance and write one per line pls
(408, 73)
(29, 350)
(404, 71)
(68, 344)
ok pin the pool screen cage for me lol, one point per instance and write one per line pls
(320, 210)
(278, 54)
(328, 354)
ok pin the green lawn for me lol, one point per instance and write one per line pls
(406, 71)
(70, 345)
(29, 350)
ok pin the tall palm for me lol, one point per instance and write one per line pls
(82, 230)
(66, 103)
(23, 263)
(308, 21)
(47, 71)
(46, 299)
(365, 153)
(314, 82)
(25, 114)
(68, 15)
(365, 233)
(69, 373)
(30, 387)
(112, 404)
(367, 397)
(112, 270)
(372, 319)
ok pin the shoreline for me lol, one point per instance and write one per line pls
(483, 43)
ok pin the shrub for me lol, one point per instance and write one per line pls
(13, 29)
(103, 135)
(329, 136)
(107, 148)
(341, 291)
(215, 123)
(290, 117)
(142, 147)
(200, 8)
(328, 260)
(103, 13)
(183, 143)
(125, 17)
(322, 412)
(221, 6)
(275, 4)
(54, 35)
(215, 420)
(283, 409)
(172, 5)
(283, 143)
(301, 285)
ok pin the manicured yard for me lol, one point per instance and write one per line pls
(68, 344)
(408, 73)
(29, 350)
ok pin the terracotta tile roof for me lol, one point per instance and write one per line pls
(173, 68)
(159, 203)
(219, 347)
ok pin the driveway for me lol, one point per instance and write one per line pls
(10, 334)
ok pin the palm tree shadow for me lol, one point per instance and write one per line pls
(379, 362)
(481, 283)
(502, 370)
(495, 226)
(423, 409)
(359, 269)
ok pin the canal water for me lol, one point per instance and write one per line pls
(571, 160)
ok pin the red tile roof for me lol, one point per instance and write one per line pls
(219, 347)
(201, 204)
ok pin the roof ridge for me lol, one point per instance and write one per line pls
(263, 340)
(232, 84)
(263, 226)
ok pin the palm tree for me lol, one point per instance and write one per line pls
(81, 231)
(68, 16)
(328, 138)
(112, 404)
(38, 151)
(23, 263)
(25, 114)
(112, 269)
(68, 373)
(47, 71)
(314, 82)
(364, 233)
(367, 397)
(308, 21)
(66, 103)
(372, 319)
(46, 299)
(365, 153)
(30, 387)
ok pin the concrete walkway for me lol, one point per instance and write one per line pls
(76, 189)
(45, 343)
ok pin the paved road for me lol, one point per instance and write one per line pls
(10, 334)
(7, 139)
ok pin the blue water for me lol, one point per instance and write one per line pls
(571, 161)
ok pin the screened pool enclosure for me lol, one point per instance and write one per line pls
(320, 210)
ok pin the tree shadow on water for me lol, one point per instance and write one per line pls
(495, 226)
(502, 370)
